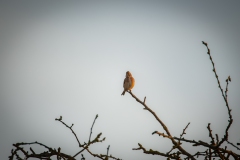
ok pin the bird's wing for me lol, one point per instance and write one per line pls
(126, 83)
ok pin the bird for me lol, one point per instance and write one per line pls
(128, 82)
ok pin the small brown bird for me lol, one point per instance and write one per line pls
(128, 82)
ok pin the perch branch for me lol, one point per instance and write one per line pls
(163, 125)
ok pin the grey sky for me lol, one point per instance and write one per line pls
(70, 58)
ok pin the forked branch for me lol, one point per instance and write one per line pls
(174, 142)
(53, 152)
(214, 148)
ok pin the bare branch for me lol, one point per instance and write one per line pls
(46, 155)
(108, 149)
(210, 134)
(233, 145)
(83, 158)
(213, 149)
(184, 130)
(225, 137)
(154, 152)
(96, 139)
(102, 156)
(92, 128)
(70, 127)
(163, 125)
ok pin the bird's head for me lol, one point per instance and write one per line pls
(128, 74)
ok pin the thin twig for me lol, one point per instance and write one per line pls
(154, 152)
(233, 145)
(184, 130)
(225, 137)
(210, 134)
(96, 140)
(101, 156)
(70, 127)
(108, 149)
(83, 158)
(46, 155)
(92, 128)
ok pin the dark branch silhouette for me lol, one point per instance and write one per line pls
(53, 152)
(92, 128)
(214, 149)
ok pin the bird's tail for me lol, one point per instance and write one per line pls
(123, 93)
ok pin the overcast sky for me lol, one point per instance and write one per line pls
(70, 59)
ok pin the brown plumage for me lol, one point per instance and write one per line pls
(128, 82)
